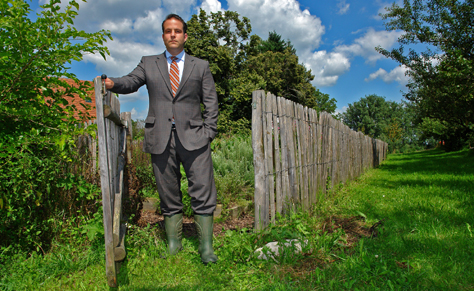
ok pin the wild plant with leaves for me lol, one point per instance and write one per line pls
(37, 126)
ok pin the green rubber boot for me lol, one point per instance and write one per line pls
(204, 226)
(174, 232)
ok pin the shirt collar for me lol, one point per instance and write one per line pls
(180, 56)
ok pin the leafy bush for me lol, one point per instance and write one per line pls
(233, 171)
(38, 179)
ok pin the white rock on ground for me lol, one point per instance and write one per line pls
(272, 249)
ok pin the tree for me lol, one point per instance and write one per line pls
(442, 76)
(223, 39)
(386, 120)
(37, 127)
(370, 115)
(240, 65)
(274, 43)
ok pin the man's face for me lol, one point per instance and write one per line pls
(174, 36)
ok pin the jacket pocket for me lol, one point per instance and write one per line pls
(149, 121)
(194, 123)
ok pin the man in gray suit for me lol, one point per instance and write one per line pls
(178, 132)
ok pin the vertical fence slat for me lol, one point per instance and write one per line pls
(269, 157)
(304, 156)
(298, 152)
(258, 158)
(314, 157)
(284, 153)
(291, 152)
(277, 156)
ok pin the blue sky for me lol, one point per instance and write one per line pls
(335, 39)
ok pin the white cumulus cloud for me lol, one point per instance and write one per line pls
(327, 67)
(124, 57)
(139, 115)
(211, 6)
(395, 75)
(365, 45)
(285, 17)
(343, 7)
(341, 110)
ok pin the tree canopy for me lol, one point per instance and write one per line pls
(241, 63)
(442, 75)
(274, 43)
(386, 120)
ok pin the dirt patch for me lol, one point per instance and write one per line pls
(189, 229)
(354, 227)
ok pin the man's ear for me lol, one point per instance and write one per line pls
(185, 37)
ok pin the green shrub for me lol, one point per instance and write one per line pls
(233, 170)
(39, 186)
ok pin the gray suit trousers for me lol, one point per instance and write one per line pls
(199, 171)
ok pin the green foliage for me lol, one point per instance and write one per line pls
(233, 169)
(37, 126)
(138, 129)
(425, 242)
(242, 63)
(441, 78)
(233, 172)
(386, 120)
(274, 43)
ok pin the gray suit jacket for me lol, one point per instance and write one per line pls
(195, 129)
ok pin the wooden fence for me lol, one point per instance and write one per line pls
(299, 155)
(114, 139)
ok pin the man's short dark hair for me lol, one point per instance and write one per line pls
(175, 16)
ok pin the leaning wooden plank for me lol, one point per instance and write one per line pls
(127, 120)
(120, 251)
(119, 189)
(105, 187)
(258, 158)
(110, 114)
(118, 202)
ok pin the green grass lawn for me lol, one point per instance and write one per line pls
(425, 201)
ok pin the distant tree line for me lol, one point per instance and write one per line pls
(389, 121)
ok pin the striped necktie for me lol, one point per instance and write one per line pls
(174, 75)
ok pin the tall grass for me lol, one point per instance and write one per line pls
(423, 203)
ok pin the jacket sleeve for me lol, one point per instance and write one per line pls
(131, 82)
(209, 99)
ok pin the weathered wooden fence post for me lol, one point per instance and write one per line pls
(258, 159)
(113, 144)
